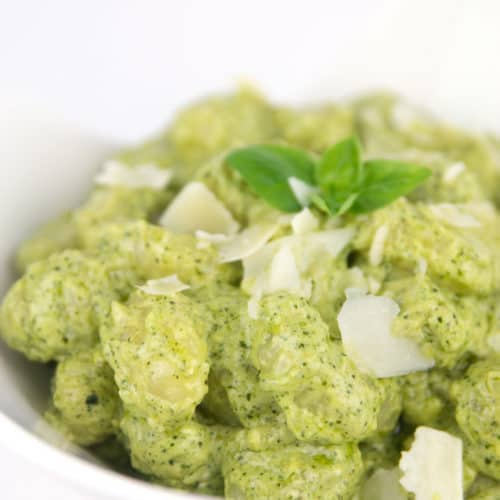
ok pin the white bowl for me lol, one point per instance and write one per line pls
(46, 167)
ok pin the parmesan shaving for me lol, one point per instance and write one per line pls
(283, 274)
(304, 222)
(365, 325)
(376, 253)
(454, 215)
(452, 172)
(283, 263)
(164, 286)
(114, 173)
(494, 342)
(432, 468)
(421, 266)
(302, 191)
(247, 242)
(197, 208)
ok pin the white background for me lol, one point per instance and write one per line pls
(121, 67)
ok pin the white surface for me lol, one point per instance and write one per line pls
(34, 482)
(120, 68)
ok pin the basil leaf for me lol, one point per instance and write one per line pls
(385, 181)
(336, 202)
(340, 166)
(318, 201)
(267, 167)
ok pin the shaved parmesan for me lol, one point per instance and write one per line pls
(253, 308)
(206, 239)
(114, 173)
(432, 468)
(365, 325)
(283, 264)
(421, 266)
(283, 274)
(376, 253)
(452, 172)
(494, 342)
(304, 222)
(383, 484)
(164, 286)
(247, 242)
(302, 191)
(197, 208)
(454, 215)
(306, 248)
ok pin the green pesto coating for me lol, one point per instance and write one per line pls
(85, 398)
(188, 457)
(492, 493)
(386, 124)
(157, 348)
(315, 128)
(117, 204)
(302, 471)
(54, 236)
(463, 188)
(134, 252)
(216, 124)
(460, 259)
(322, 394)
(55, 309)
(483, 488)
(229, 343)
(216, 404)
(446, 325)
(478, 414)
(382, 450)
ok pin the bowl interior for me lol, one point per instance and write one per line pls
(46, 166)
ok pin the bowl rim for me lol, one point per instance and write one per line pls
(91, 477)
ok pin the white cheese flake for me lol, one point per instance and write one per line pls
(432, 468)
(302, 191)
(196, 208)
(365, 325)
(114, 173)
(376, 253)
(383, 484)
(246, 243)
(307, 249)
(253, 307)
(421, 266)
(452, 172)
(454, 215)
(494, 342)
(283, 273)
(304, 222)
(205, 239)
(283, 263)
(164, 286)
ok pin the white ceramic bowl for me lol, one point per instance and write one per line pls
(46, 167)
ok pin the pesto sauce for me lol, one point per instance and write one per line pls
(196, 393)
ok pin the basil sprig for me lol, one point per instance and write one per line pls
(341, 181)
